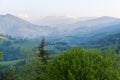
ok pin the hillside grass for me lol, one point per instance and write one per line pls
(12, 62)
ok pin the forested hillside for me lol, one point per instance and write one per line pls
(59, 55)
(73, 64)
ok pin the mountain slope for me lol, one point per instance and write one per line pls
(92, 30)
(91, 26)
(105, 42)
(16, 27)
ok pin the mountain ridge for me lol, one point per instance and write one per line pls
(17, 27)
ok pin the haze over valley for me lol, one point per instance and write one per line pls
(59, 40)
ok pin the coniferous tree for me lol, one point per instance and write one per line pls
(43, 54)
(42, 62)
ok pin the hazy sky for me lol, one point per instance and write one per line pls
(35, 9)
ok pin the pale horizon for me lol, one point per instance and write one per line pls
(37, 9)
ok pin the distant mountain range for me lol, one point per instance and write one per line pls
(62, 23)
(90, 30)
(16, 27)
(71, 26)
(60, 34)
(55, 21)
(60, 27)
(98, 25)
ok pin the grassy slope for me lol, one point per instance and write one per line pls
(6, 63)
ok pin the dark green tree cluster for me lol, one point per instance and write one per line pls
(36, 67)
(73, 64)
(8, 74)
(79, 64)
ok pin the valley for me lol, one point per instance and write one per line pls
(20, 39)
(18, 34)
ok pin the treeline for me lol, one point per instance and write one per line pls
(73, 64)
(15, 49)
(111, 41)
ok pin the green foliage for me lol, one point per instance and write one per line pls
(26, 71)
(13, 48)
(42, 62)
(40, 70)
(73, 64)
(8, 74)
(78, 64)
(103, 43)
(33, 69)
(1, 56)
(43, 54)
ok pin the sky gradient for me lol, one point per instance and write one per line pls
(35, 9)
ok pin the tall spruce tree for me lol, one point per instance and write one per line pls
(41, 63)
(43, 54)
